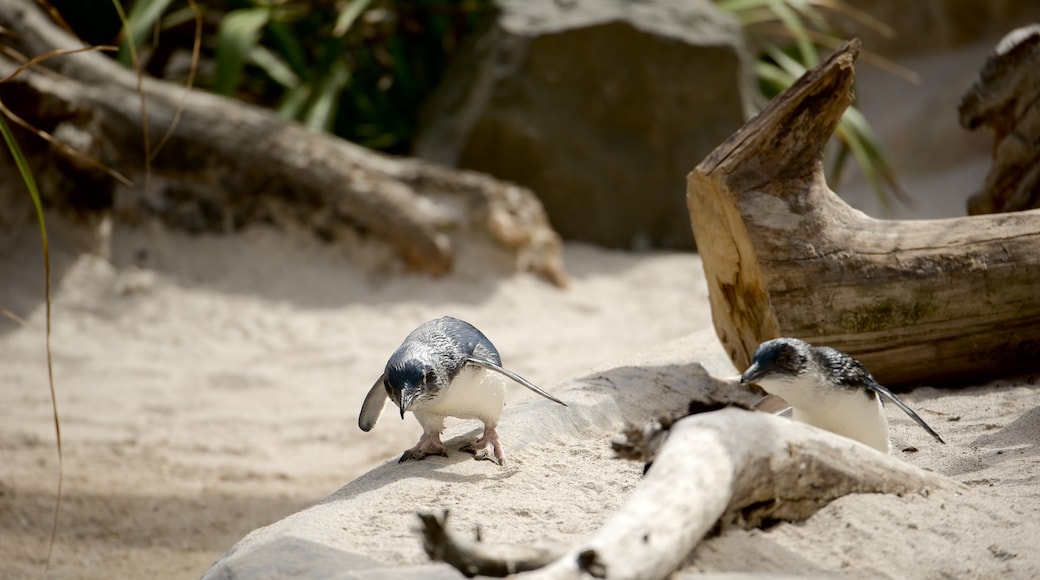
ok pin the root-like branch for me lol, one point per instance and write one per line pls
(732, 466)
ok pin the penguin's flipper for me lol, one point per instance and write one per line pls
(372, 408)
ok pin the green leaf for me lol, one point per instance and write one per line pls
(140, 22)
(789, 18)
(27, 176)
(788, 64)
(237, 35)
(294, 103)
(349, 14)
(322, 112)
(274, 66)
(34, 193)
(288, 45)
(736, 6)
(773, 75)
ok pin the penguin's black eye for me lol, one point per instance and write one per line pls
(783, 361)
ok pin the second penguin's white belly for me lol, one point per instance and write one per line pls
(854, 414)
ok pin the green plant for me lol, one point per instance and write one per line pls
(34, 193)
(789, 35)
(356, 68)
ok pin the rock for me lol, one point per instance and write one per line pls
(1006, 98)
(601, 108)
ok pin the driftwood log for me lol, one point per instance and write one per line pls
(730, 466)
(227, 164)
(916, 301)
(1006, 99)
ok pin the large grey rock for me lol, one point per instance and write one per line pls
(600, 106)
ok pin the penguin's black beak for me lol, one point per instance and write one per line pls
(752, 374)
(407, 398)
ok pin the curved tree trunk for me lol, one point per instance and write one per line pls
(227, 164)
(915, 301)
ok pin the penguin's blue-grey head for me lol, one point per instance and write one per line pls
(409, 382)
(780, 358)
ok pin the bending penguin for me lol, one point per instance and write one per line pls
(445, 368)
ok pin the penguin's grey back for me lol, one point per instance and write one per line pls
(445, 343)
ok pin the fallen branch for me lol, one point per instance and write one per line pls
(474, 558)
(927, 300)
(226, 164)
(732, 466)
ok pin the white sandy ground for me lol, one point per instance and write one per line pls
(217, 390)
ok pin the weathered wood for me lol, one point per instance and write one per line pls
(736, 466)
(916, 301)
(1006, 99)
(227, 164)
(473, 557)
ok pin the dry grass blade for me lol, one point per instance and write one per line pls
(55, 15)
(857, 15)
(64, 147)
(21, 321)
(132, 46)
(834, 43)
(195, 50)
(48, 55)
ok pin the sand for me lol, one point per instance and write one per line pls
(216, 388)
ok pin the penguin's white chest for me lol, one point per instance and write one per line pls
(850, 413)
(476, 393)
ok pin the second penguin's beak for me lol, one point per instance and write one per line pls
(752, 374)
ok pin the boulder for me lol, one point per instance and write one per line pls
(601, 108)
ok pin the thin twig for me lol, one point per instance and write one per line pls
(195, 50)
(54, 53)
(64, 146)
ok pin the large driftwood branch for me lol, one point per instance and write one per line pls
(738, 467)
(228, 164)
(928, 300)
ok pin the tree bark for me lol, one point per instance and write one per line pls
(1006, 99)
(916, 301)
(227, 164)
(731, 465)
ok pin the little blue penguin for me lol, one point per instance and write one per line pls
(828, 389)
(445, 368)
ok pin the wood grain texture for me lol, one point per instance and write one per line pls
(926, 301)
(730, 466)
